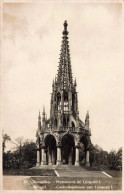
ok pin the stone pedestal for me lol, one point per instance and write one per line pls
(58, 155)
(77, 156)
(87, 158)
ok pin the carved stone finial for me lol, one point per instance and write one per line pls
(39, 117)
(87, 115)
(65, 32)
(75, 83)
(43, 110)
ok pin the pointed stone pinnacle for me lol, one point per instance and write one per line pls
(43, 110)
(75, 83)
(39, 117)
(87, 115)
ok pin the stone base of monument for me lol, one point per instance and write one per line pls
(76, 163)
(37, 164)
(87, 164)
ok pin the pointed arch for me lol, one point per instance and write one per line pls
(48, 139)
(66, 104)
(58, 97)
(72, 124)
(72, 120)
(68, 152)
(55, 122)
(65, 96)
(50, 147)
(73, 101)
(58, 101)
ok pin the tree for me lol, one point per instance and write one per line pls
(119, 159)
(19, 143)
(23, 156)
(5, 138)
(29, 154)
(112, 158)
(98, 157)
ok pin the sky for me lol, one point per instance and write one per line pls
(32, 35)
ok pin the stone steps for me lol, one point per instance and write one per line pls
(78, 171)
(57, 167)
(71, 171)
(80, 174)
(61, 167)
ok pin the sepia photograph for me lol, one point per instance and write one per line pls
(62, 96)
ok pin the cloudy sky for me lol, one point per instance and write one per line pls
(32, 34)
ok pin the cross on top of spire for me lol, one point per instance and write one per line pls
(65, 32)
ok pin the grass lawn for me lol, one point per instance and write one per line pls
(29, 172)
(113, 173)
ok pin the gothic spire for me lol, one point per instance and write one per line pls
(64, 77)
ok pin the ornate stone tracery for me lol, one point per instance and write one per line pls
(58, 138)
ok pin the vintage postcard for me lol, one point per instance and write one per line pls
(62, 96)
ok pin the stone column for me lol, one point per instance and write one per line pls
(58, 155)
(38, 157)
(49, 157)
(87, 158)
(76, 156)
(43, 158)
